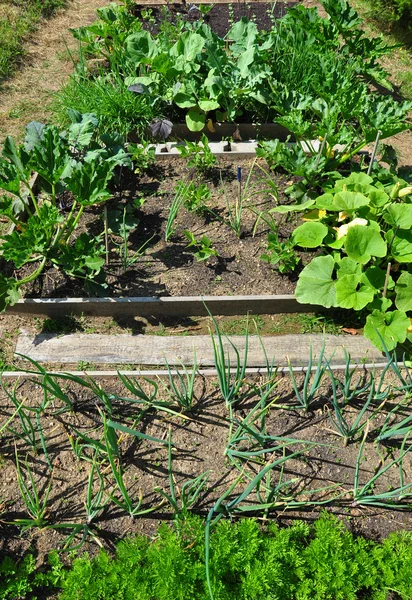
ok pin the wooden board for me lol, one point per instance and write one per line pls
(178, 350)
(235, 2)
(162, 306)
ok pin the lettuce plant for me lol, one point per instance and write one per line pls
(73, 172)
(364, 229)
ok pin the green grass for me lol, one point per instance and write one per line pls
(395, 26)
(18, 18)
(105, 95)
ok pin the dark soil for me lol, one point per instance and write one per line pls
(220, 17)
(322, 474)
(170, 269)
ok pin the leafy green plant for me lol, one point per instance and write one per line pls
(196, 197)
(204, 246)
(281, 254)
(318, 89)
(363, 227)
(143, 156)
(69, 161)
(122, 223)
(199, 154)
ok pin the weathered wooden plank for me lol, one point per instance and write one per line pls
(235, 2)
(162, 306)
(178, 350)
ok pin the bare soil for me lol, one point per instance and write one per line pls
(170, 268)
(322, 473)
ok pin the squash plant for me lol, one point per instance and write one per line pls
(73, 172)
(363, 228)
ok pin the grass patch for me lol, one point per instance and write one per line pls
(396, 29)
(18, 18)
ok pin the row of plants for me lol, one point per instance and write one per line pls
(250, 560)
(268, 469)
(308, 73)
(360, 224)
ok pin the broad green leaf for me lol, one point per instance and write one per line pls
(140, 47)
(325, 201)
(184, 100)
(375, 278)
(11, 152)
(380, 304)
(400, 245)
(399, 215)
(347, 266)
(362, 243)
(348, 201)
(94, 263)
(50, 157)
(121, 222)
(9, 177)
(349, 295)
(20, 246)
(378, 198)
(188, 46)
(34, 135)
(81, 134)
(243, 31)
(287, 208)
(9, 292)
(356, 182)
(315, 284)
(195, 120)
(89, 183)
(309, 235)
(207, 105)
(391, 326)
(403, 291)
(245, 60)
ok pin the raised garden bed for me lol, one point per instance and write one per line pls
(320, 469)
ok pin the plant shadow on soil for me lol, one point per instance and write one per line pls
(199, 444)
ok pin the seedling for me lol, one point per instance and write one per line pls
(204, 246)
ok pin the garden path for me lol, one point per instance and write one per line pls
(47, 64)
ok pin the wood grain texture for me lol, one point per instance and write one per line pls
(156, 350)
(163, 306)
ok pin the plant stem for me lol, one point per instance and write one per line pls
(34, 275)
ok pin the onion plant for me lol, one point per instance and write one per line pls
(27, 431)
(392, 430)
(184, 499)
(181, 388)
(34, 497)
(396, 498)
(177, 202)
(123, 500)
(311, 385)
(230, 381)
(348, 430)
